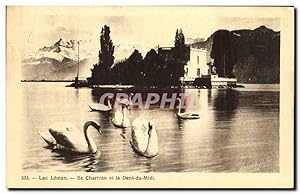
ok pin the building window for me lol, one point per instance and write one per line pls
(197, 60)
(198, 72)
(187, 71)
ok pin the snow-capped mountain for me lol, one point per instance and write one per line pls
(59, 61)
(61, 50)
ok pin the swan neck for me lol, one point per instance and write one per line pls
(179, 109)
(151, 149)
(149, 141)
(109, 104)
(123, 114)
(90, 142)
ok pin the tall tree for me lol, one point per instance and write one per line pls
(101, 71)
(180, 58)
(106, 54)
(179, 39)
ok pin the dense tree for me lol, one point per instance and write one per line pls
(151, 69)
(223, 53)
(98, 74)
(133, 67)
(176, 70)
(147, 72)
(128, 71)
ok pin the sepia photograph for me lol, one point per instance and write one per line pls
(145, 91)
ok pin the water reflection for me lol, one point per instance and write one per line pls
(181, 123)
(225, 102)
(237, 132)
(86, 162)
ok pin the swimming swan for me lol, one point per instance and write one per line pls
(126, 101)
(144, 139)
(66, 137)
(101, 107)
(120, 118)
(186, 115)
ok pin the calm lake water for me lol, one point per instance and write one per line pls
(238, 132)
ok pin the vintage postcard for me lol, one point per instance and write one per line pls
(150, 97)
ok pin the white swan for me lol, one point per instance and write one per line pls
(65, 137)
(126, 101)
(120, 118)
(186, 115)
(144, 139)
(101, 107)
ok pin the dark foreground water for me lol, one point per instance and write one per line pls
(238, 132)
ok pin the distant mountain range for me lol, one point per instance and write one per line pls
(252, 55)
(60, 50)
(193, 40)
(59, 61)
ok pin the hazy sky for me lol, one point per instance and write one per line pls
(144, 28)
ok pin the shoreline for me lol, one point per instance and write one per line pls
(47, 80)
(118, 86)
